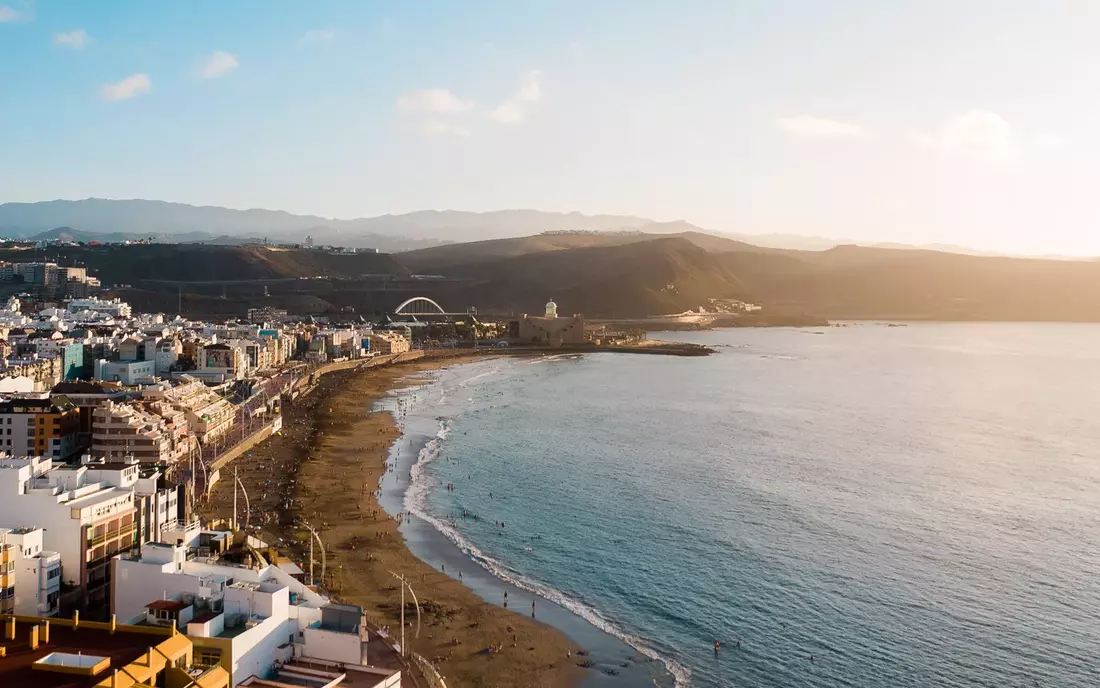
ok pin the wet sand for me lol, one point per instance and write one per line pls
(326, 465)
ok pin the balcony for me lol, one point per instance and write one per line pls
(98, 540)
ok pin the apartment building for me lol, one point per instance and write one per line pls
(40, 426)
(112, 308)
(388, 342)
(243, 615)
(129, 429)
(220, 362)
(85, 520)
(208, 414)
(160, 504)
(7, 579)
(87, 396)
(46, 372)
(33, 583)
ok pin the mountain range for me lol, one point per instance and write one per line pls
(107, 220)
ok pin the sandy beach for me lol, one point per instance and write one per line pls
(326, 465)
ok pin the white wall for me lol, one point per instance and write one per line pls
(42, 511)
(333, 646)
(207, 629)
(136, 584)
(19, 383)
(254, 650)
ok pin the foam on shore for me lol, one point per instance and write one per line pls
(415, 502)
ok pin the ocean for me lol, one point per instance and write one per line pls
(849, 506)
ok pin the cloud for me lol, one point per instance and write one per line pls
(7, 14)
(441, 128)
(75, 39)
(516, 109)
(131, 86)
(810, 127)
(317, 36)
(439, 101)
(978, 133)
(218, 64)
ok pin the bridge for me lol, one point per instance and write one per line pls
(423, 306)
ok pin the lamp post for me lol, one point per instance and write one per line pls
(247, 504)
(405, 584)
(319, 544)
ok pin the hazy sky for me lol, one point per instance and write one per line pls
(974, 122)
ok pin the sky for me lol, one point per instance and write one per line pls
(969, 122)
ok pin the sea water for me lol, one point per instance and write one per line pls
(856, 506)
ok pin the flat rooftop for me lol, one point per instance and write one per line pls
(97, 498)
(123, 648)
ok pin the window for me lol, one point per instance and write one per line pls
(207, 656)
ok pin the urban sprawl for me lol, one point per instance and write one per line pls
(112, 424)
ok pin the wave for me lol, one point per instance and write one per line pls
(416, 495)
(470, 379)
(416, 503)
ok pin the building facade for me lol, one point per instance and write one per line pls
(551, 329)
(34, 581)
(40, 426)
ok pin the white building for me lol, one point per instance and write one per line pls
(85, 521)
(34, 573)
(116, 308)
(159, 503)
(126, 372)
(256, 608)
(168, 352)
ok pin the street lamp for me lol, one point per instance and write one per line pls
(405, 584)
(319, 544)
(247, 504)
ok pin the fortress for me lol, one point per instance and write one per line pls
(551, 329)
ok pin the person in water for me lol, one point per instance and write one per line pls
(717, 647)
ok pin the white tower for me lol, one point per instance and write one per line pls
(551, 309)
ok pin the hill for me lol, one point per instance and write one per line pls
(634, 279)
(867, 283)
(207, 263)
(441, 258)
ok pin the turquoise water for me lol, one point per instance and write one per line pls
(910, 506)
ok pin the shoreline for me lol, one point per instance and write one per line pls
(333, 446)
(613, 660)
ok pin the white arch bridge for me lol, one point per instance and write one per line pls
(422, 305)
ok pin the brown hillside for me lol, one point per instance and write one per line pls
(438, 259)
(859, 282)
(642, 278)
(209, 263)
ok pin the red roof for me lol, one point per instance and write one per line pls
(166, 606)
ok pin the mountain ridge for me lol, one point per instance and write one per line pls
(116, 220)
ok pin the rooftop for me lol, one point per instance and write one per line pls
(98, 497)
(166, 606)
(122, 648)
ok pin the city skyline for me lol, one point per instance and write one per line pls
(949, 123)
